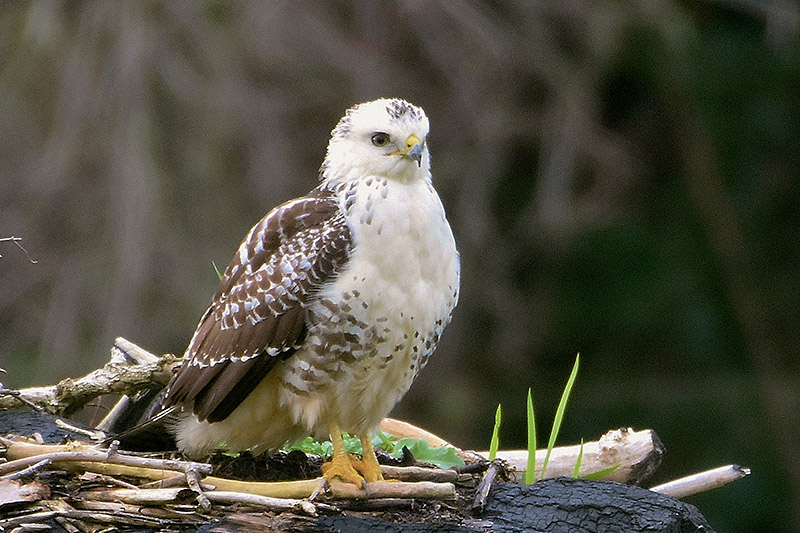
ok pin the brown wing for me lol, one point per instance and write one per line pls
(257, 316)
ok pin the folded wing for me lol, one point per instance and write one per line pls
(258, 315)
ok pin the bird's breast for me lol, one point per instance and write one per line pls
(374, 327)
(404, 259)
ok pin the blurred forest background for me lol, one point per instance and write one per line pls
(621, 178)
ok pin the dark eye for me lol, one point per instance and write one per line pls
(380, 139)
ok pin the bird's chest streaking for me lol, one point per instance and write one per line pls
(373, 328)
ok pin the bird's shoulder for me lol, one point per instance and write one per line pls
(299, 228)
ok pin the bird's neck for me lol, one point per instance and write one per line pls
(334, 177)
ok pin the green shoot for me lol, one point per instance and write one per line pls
(495, 444)
(530, 469)
(219, 274)
(387, 442)
(577, 470)
(600, 474)
(562, 405)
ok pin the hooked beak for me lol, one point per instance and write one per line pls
(412, 149)
(415, 153)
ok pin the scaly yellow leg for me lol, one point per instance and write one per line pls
(369, 466)
(340, 464)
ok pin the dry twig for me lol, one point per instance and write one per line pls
(482, 492)
(193, 482)
(703, 481)
(416, 473)
(79, 456)
(116, 377)
(26, 471)
(172, 496)
(113, 518)
(175, 511)
(17, 241)
(19, 396)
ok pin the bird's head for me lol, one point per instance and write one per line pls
(385, 137)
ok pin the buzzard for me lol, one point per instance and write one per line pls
(331, 306)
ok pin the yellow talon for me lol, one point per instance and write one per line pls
(348, 468)
(341, 467)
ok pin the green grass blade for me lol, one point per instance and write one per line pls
(600, 474)
(495, 444)
(530, 469)
(219, 274)
(577, 470)
(562, 405)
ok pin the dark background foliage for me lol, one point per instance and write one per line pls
(621, 178)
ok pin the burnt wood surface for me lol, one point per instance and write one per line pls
(562, 505)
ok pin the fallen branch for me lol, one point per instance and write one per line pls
(91, 434)
(114, 518)
(116, 377)
(181, 495)
(69, 524)
(703, 481)
(268, 504)
(139, 496)
(175, 511)
(401, 429)
(28, 470)
(78, 456)
(108, 480)
(193, 482)
(637, 454)
(416, 473)
(482, 492)
(17, 395)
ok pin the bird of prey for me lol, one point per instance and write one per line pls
(331, 306)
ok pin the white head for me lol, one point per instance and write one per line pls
(385, 137)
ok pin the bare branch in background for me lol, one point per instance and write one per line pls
(17, 241)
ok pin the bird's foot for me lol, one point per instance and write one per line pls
(341, 466)
(368, 467)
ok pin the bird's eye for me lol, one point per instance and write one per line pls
(380, 139)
